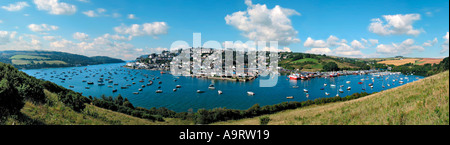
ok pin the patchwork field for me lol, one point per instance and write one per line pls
(27, 59)
(50, 62)
(399, 62)
(18, 57)
(429, 61)
(20, 62)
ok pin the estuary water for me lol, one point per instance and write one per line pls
(186, 98)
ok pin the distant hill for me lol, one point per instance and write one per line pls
(50, 59)
(424, 102)
(315, 62)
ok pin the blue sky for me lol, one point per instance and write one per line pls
(400, 27)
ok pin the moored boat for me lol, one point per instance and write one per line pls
(294, 77)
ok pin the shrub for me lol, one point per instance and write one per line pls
(264, 120)
(10, 100)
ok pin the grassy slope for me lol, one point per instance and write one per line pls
(27, 57)
(56, 113)
(421, 102)
(313, 67)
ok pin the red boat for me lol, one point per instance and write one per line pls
(162, 72)
(360, 83)
(294, 77)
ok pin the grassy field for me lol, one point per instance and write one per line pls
(399, 62)
(25, 62)
(20, 62)
(424, 102)
(429, 61)
(50, 62)
(306, 60)
(56, 113)
(25, 57)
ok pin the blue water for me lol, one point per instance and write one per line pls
(185, 98)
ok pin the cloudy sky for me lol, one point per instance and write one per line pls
(129, 28)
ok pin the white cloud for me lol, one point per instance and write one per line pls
(131, 16)
(96, 13)
(341, 48)
(373, 42)
(333, 41)
(445, 45)
(16, 7)
(117, 37)
(55, 7)
(346, 50)
(326, 51)
(406, 47)
(50, 38)
(101, 10)
(1, 21)
(116, 15)
(99, 46)
(42, 28)
(90, 13)
(430, 43)
(396, 25)
(6, 36)
(311, 43)
(85, 1)
(35, 42)
(80, 36)
(25, 42)
(259, 23)
(150, 29)
(357, 44)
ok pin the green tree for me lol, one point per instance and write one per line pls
(127, 103)
(330, 66)
(10, 100)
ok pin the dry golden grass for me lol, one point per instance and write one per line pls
(399, 62)
(58, 114)
(429, 61)
(419, 103)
